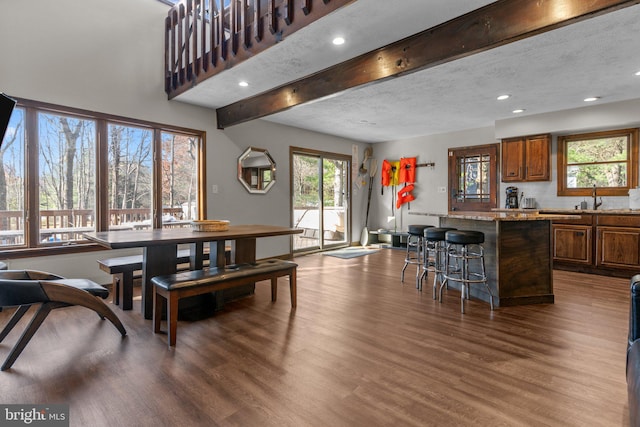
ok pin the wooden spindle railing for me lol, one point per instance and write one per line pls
(204, 37)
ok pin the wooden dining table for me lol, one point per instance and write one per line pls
(160, 247)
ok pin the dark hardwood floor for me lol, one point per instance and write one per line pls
(361, 349)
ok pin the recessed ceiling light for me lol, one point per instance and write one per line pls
(518, 111)
(638, 73)
(338, 41)
(591, 99)
(503, 97)
(243, 84)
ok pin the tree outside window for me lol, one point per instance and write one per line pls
(84, 171)
(607, 160)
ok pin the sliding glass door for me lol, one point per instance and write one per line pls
(320, 199)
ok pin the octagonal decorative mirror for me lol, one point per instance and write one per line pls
(256, 170)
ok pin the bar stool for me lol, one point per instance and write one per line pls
(414, 250)
(464, 246)
(434, 252)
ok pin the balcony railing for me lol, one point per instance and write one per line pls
(204, 37)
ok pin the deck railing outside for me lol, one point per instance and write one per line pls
(63, 225)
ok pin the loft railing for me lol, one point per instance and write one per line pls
(204, 37)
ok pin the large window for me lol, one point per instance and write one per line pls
(64, 172)
(607, 161)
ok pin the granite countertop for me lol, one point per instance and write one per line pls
(593, 211)
(566, 211)
(511, 215)
(527, 214)
(508, 216)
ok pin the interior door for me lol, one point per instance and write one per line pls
(320, 196)
(473, 178)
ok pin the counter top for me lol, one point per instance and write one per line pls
(594, 211)
(512, 215)
(565, 211)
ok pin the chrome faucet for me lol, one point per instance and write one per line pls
(595, 199)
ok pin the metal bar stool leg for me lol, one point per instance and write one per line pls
(434, 255)
(469, 249)
(414, 254)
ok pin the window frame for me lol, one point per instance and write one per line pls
(32, 246)
(632, 163)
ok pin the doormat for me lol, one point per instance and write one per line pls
(350, 252)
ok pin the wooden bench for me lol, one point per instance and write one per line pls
(171, 288)
(123, 269)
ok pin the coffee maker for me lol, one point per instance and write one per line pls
(512, 198)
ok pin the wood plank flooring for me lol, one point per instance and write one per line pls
(361, 349)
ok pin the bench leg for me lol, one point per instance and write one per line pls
(126, 290)
(117, 279)
(292, 288)
(172, 317)
(274, 288)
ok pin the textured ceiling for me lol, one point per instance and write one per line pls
(549, 72)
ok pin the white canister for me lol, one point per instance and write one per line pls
(634, 198)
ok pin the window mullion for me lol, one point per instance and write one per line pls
(32, 220)
(156, 199)
(102, 180)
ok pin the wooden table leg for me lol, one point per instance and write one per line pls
(156, 261)
(245, 250)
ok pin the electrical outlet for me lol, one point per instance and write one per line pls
(214, 189)
(442, 189)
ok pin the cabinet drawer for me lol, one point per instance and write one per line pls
(585, 219)
(619, 220)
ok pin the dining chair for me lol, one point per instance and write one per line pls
(24, 288)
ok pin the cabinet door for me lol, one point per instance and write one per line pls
(537, 155)
(513, 159)
(618, 247)
(572, 243)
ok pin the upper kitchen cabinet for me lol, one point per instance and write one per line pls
(526, 158)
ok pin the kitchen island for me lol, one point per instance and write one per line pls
(518, 254)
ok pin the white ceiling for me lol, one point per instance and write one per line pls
(549, 72)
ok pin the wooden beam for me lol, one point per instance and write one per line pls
(497, 24)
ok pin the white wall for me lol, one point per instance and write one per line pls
(598, 117)
(107, 56)
(427, 149)
(618, 115)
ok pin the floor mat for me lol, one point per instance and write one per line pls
(351, 252)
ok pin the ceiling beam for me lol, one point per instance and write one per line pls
(497, 24)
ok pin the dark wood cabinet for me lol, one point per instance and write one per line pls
(618, 247)
(513, 160)
(598, 243)
(572, 243)
(618, 241)
(526, 158)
